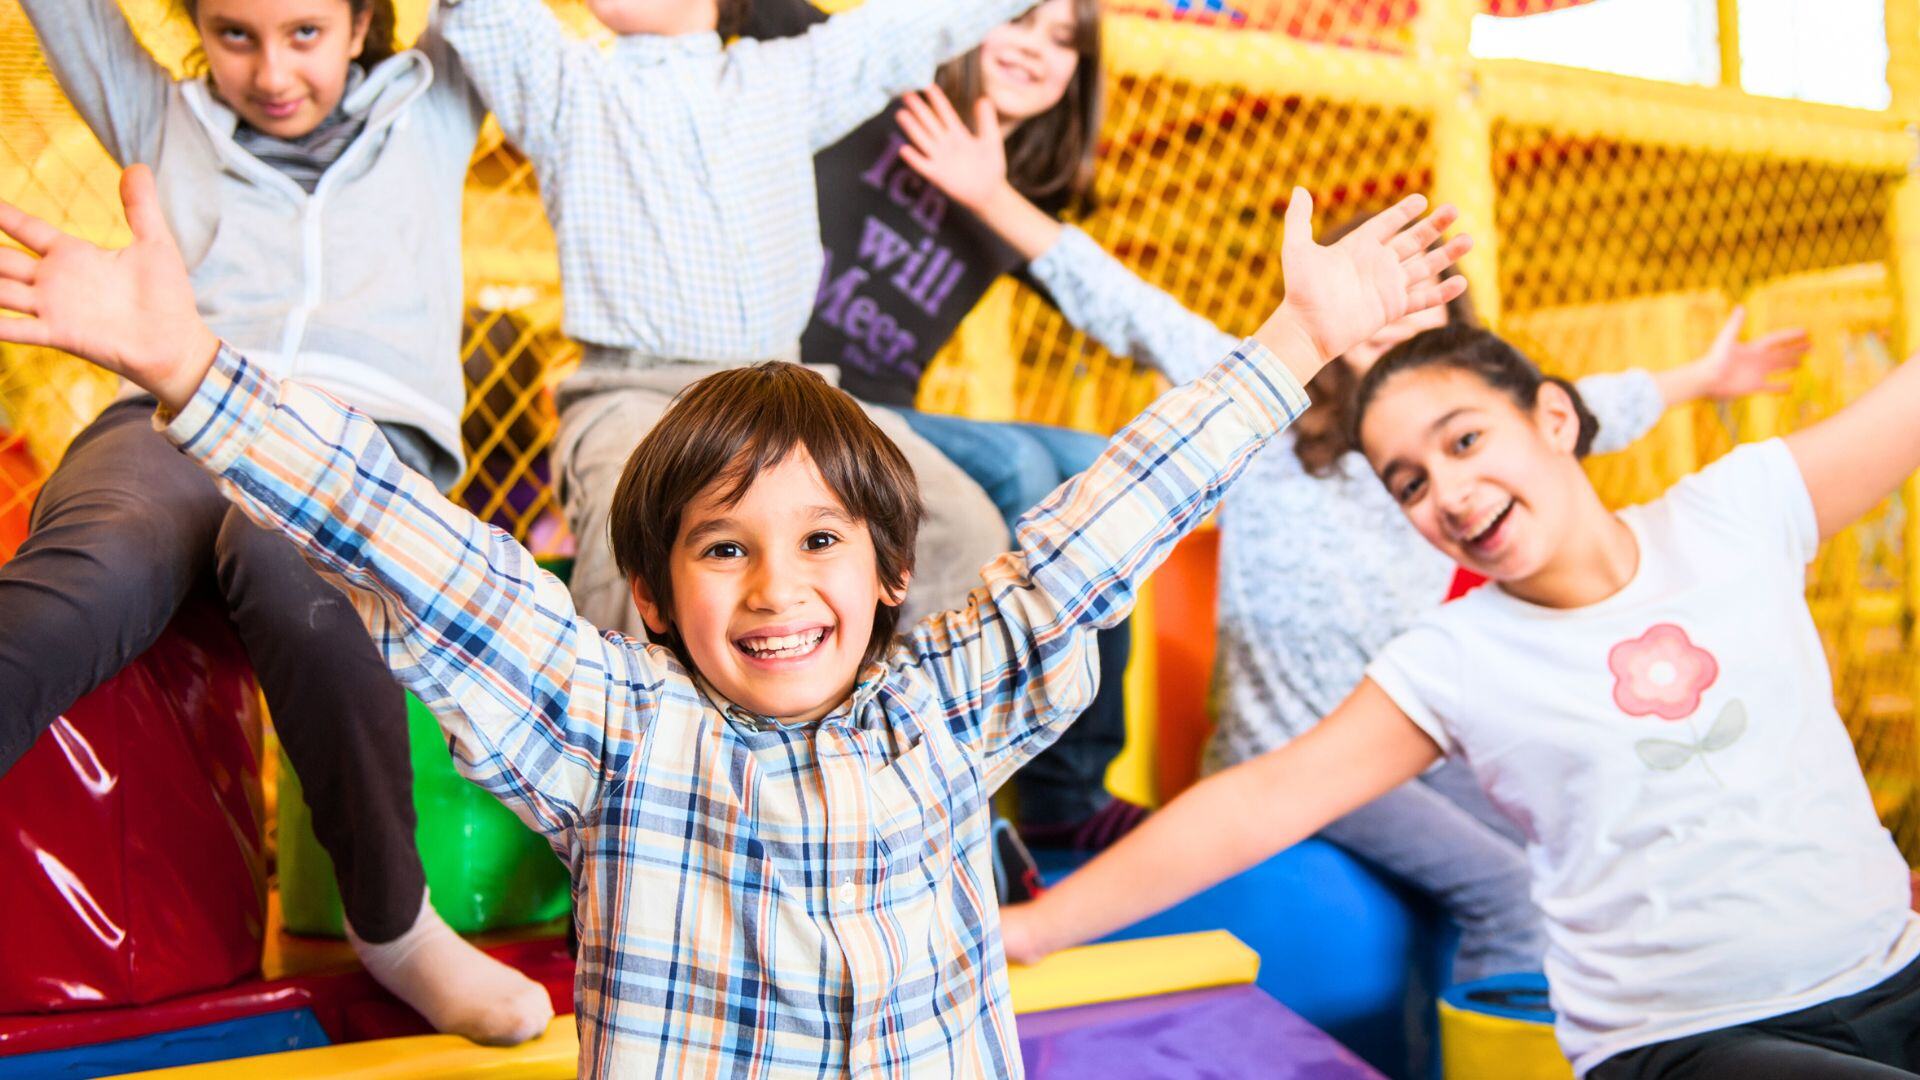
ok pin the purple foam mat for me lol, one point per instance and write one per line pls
(1229, 1033)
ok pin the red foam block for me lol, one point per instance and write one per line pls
(131, 834)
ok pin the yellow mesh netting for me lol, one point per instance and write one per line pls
(1619, 221)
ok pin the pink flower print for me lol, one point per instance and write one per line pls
(1661, 673)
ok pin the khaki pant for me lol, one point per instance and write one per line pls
(606, 414)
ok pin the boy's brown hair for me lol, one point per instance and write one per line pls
(728, 428)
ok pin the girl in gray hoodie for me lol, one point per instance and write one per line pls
(313, 177)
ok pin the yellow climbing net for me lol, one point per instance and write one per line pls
(1620, 220)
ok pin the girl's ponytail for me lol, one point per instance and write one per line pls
(1477, 352)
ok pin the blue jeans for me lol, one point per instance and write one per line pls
(1019, 465)
(1440, 835)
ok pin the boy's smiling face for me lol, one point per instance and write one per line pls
(774, 594)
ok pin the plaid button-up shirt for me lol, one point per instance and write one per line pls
(678, 172)
(754, 900)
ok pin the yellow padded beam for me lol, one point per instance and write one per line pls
(1126, 970)
(1118, 971)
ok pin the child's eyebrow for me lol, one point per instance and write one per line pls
(830, 513)
(709, 527)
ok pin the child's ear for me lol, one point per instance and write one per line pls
(362, 23)
(894, 597)
(1557, 418)
(656, 616)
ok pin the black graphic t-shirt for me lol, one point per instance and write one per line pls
(904, 264)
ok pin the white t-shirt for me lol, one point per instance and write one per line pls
(1703, 846)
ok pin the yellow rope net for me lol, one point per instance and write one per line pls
(1619, 221)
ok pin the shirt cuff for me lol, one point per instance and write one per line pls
(1256, 380)
(225, 414)
(1058, 260)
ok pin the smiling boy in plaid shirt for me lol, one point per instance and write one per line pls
(776, 817)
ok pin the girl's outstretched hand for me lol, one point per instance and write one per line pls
(969, 164)
(130, 311)
(1339, 295)
(1732, 368)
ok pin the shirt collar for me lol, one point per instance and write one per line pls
(653, 49)
(847, 713)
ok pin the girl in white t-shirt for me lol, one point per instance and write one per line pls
(1643, 693)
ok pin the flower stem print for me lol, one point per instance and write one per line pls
(1667, 755)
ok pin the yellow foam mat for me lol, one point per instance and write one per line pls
(1125, 970)
(1089, 975)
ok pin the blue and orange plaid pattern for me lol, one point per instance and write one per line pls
(754, 900)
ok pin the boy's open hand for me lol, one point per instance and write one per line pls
(1341, 294)
(130, 311)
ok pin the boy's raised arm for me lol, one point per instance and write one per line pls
(115, 85)
(1018, 664)
(519, 57)
(540, 708)
(848, 68)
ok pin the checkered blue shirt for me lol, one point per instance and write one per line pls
(678, 173)
(754, 901)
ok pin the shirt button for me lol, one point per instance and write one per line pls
(845, 893)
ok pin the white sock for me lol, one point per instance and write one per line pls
(458, 988)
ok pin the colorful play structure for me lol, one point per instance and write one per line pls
(1619, 221)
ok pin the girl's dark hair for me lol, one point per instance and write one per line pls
(380, 45)
(727, 429)
(1320, 436)
(1478, 352)
(1050, 158)
(734, 17)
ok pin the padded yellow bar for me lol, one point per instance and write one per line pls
(1124, 970)
(550, 1057)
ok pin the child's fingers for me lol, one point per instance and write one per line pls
(943, 108)
(17, 298)
(1435, 293)
(142, 203)
(1382, 227)
(917, 106)
(1421, 235)
(1298, 224)
(917, 161)
(17, 265)
(1429, 263)
(916, 131)
(33, 234)
(31, 332)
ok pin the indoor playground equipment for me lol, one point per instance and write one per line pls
(1618, 221)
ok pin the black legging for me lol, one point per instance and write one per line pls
(128, 528)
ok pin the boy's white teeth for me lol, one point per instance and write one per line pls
(786, 645)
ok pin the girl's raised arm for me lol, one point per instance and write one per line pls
(1096, 293)
(1859, 455)
(848, 68)
(113, 82)
(1227, 823)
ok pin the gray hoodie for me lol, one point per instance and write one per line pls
(357, 288)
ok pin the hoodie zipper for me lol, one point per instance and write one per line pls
(294, 331)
